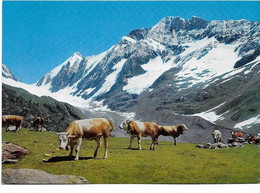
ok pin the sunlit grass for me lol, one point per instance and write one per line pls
(168, 164)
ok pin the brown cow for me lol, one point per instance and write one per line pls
(141, 129)
(174, 131)
(254, 139)
(14, 120)
(236, 134)
(90, 129)
(38, 123)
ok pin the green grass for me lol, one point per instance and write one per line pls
(168, 164)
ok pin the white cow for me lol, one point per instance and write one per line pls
(216, 136)
(90, 129)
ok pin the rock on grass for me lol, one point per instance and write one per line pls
(11, 152)
(31, 176)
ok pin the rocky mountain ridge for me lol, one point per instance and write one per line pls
(177, 67)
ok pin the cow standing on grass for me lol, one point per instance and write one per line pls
(174, 131)
(216, 136)
(141, 129)
(90, 129)
(14, 120)
(38, 123)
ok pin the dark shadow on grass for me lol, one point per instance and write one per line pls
(127, 148)
(137, 149)
(66, 158)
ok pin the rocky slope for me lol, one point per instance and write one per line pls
(57, 115)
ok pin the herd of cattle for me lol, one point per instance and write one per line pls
(94, 129)
(216, 134)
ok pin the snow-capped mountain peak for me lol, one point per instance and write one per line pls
(174, 56)
(7, 73)
(69, 66)
(200, 50)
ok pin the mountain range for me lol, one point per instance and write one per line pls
(177, 71)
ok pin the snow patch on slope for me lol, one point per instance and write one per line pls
(62, 95)
(111, 78)
(210, 115)
(154, 69)
(218, 61)
(248, 123)
(92, 61)
(73, 60)
(154, 44)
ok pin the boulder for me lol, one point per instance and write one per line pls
(32, 176)
(11, 152)
(231, 140)
(237, 144)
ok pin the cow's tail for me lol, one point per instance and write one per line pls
(111, 124)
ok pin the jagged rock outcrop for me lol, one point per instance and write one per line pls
(11, 153)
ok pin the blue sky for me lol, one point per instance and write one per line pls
(38, 36)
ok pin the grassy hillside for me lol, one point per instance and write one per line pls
(168, 164)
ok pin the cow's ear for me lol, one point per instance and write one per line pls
(57, 133)
(67, 134)
(127, 121)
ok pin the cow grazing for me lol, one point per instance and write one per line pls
(90, 129)
(216, 134)
(236, 134)
(174, 131)
(141, 129)
(13, 120)
(38, 123)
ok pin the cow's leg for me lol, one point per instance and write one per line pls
(152, 147)
(71, 149)
(106, 146)
(77, 148)
(98, 146)
(154, 142)
(139, 142)
(16, 128)
(40, 128)
(175, 139)
(131, 141)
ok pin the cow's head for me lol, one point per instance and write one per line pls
(3, 120)
(64, 140)
(124, 125)
(182, 128)
(216, 135)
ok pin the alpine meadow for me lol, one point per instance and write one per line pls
(175, 102)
